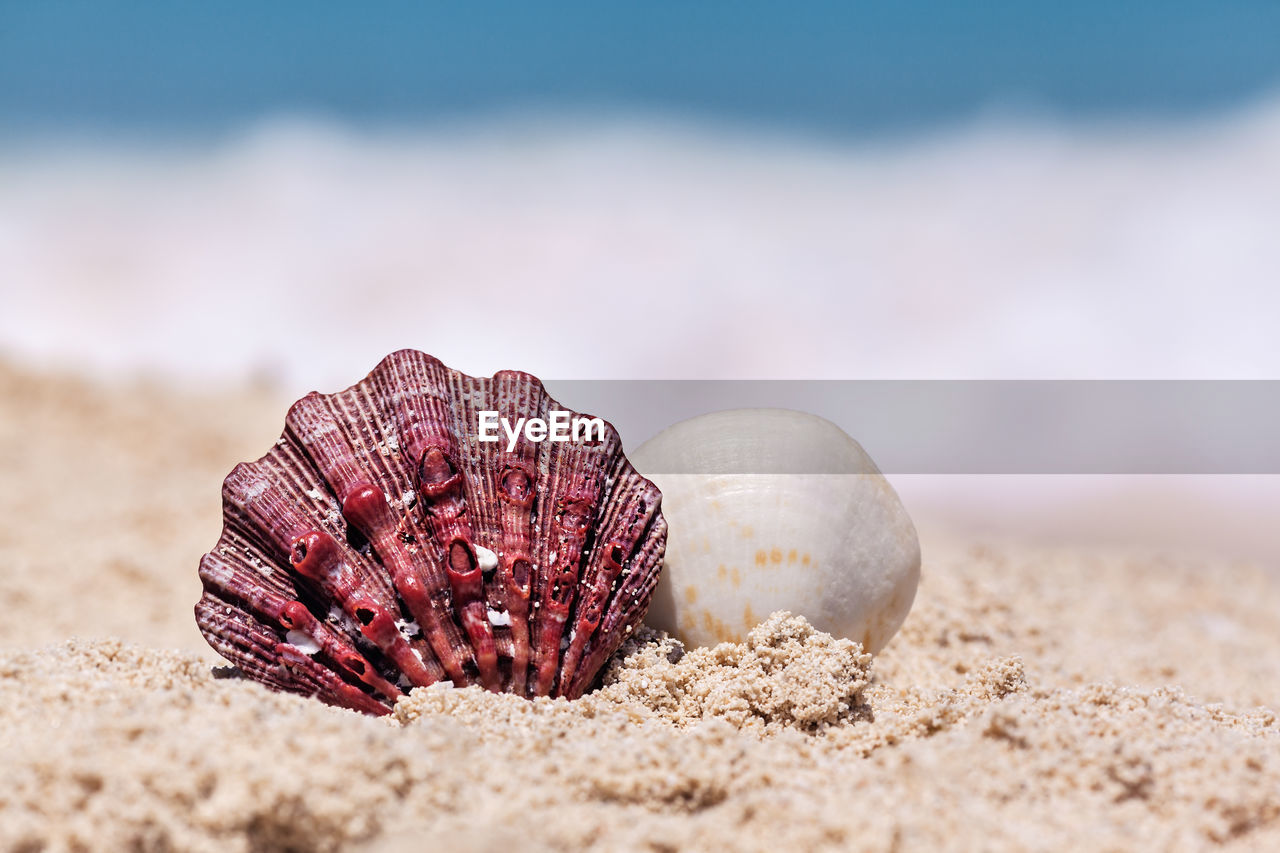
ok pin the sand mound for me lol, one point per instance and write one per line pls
(775, 741)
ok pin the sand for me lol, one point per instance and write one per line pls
(1037, 698)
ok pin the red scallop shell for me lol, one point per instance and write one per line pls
(380, 545)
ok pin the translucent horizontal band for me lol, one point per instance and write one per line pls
(984, 427)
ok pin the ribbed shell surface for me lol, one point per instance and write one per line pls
(381, 545)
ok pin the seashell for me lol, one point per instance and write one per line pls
(772, 510)
(382, 545)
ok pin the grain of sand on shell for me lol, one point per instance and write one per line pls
(1034, 698)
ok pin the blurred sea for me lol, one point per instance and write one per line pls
(648, 249)
(823, 66)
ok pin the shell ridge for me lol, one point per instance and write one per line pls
(303, 466)
(576, 511)
(433, 441)
(516, 484)
(424, 586)
(320, 555)
(480, 497)
(475, 515)
(364, 494)
(622, 530)
(628, 601)
(545, 647)
(379, 544)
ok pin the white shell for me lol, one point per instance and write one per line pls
(837, 547)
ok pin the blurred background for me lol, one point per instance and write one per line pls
(218, 195)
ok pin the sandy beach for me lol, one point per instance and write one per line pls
(1036, 698)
